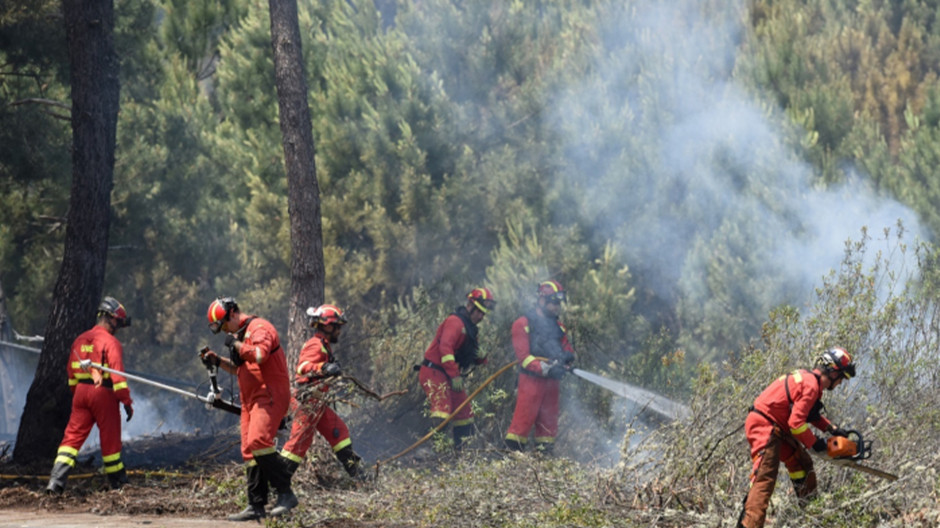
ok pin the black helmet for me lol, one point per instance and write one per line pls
(111, 307)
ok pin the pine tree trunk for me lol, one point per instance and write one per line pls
(89, 26)
(303, 194)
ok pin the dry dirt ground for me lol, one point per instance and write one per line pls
(179, 481)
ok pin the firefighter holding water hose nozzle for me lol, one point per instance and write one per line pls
(545, 355)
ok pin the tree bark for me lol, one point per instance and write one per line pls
(303, 193)
(89, 28)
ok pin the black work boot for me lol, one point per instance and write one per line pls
(352, 463)
(290, 465)
(286, 502)
(253, 512)
(275, 471)
(257, 493)
(545, 448)
(118, 479)
(462, 432)
(515, 445)
(58, 477)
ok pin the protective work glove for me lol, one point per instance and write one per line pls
(129, 411)
(331, 369)
(456, 384)
(569, 358)
(209, 358)
(819, 445)
(834, 430)
(547, 367)
(557, 371)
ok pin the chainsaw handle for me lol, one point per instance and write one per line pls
(862, 448)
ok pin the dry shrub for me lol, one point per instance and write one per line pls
(887, 316)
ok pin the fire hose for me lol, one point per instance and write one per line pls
(450, 417)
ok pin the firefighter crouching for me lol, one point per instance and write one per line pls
(256, 357)
(777, 429)
(455, 347)
(95, 397)
(311, 414)
(541, 344)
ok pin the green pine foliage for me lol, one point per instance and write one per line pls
(499, 144)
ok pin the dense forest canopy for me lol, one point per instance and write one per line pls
(683, 168)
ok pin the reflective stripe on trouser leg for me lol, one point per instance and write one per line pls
(273, 470)
(805, 486)
(352, 463)
(114, 469)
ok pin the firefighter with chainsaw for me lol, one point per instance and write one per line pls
(545, 355)
(455, 349)
(259, 362)
(777, 428)
(315, 367)
(96, 396)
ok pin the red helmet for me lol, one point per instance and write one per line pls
(110, 306)
(836, 360)
(325, 314)
(551, 291)
(483, 299)
(219, 311)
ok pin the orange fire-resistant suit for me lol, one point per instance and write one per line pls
(537, 402)
(95, 403)
(778, 431)
(264, 390)
(454, 347)
(312, 414)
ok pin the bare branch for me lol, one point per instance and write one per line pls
(39, 100)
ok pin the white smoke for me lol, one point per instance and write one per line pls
(723, 166)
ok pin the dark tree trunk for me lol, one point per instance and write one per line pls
(303, 193)
(89, 28)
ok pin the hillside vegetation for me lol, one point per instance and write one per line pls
(725, 188)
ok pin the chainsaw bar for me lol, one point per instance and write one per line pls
(851, 464)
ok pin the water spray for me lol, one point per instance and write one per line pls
(669, 409)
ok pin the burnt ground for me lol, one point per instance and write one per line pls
(180, 480)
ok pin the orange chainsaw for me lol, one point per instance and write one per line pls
(848, 450)
(851, 446)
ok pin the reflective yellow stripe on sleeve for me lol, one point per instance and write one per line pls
(300, 368)
(527, 360)
(799, 429)
(448, 357)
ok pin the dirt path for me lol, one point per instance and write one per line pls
(32, 519)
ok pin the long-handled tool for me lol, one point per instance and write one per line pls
(449, 417)
(212, 400)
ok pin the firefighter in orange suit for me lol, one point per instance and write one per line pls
(95, 397)
(315, 364)
(256, 357)
(541, 344)
(777, 429)
(454, 349)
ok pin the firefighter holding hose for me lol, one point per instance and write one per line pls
(96, 397)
